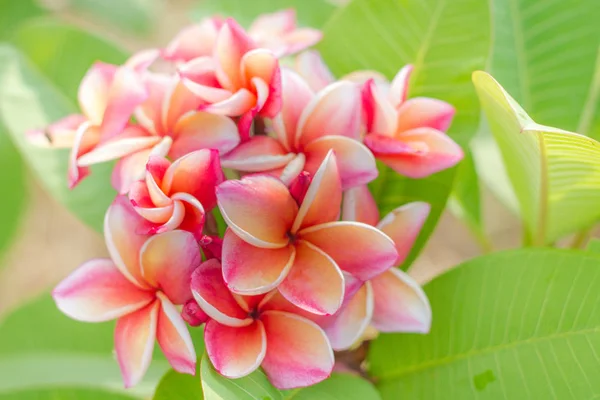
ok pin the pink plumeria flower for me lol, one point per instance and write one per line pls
(108, 94)
(177, 195)
(247, 332)
(172, 111)
(391, 301)
(239, 80)
(277, 32)
(309, 126)
(140, 286)
(272, 242)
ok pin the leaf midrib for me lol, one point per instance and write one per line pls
(487, 350)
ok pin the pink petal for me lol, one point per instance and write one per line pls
(237, 104)
(400, 304)
(199, 76)
(352, 320)
(360, 206)
(193, 314)
(371, 252)
(200, 130)
(180, 102)
(295, 41)
(315, 282)
(97, 291)
(127, 91)
(253, 270)
(134, 342)
(267, 25)
(417, 153)
(143, 205)
(313, 69)
(115, 149)
(403, 226)
(298, 352)
(363, 76)
(86, 138)
(239, 202)
(213, 296)
(399, 86)
(150, 113)
(262, 65)
(336, 110)
(381, 116)
(128, 170)
(235, 351)
(122, 241)
(292, 171)
(59, 134)
(296, 94)
(232, 43)
(323, 197)
(168, 260)
(356, 164)
(197, 173)
(174, 339)
(193, 41)
(422, 112)
(141, 60)
(194, 214)
(260, 153)
(94, 91)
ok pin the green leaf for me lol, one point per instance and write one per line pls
(12, 182)
(176, 386)
(446, 41)
(64, 394)
(465, 201)
(553, 172)
(512, 325)
(30, 100)
(14, 13)
(135, 16)
(547, 55)
(311, 13)
(593, 246)
(339, 387)
(40, 347)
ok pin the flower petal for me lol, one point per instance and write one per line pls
(348, 326)
(399, 86)
(115, 149)
(313, 69)
(266, 25)
(97, 291)
(59, 134)
(298, 352)
(261, 65)
(356, 164)
(240, 200)
(235, 351)
(400, 304)
(253, 270)
(417, 153)
(315, 282)
(336, 110)
(200, 130)
(93, 91)
(193, 41)
(381, 116)
(213, 296)
(134, 342)
(197, 173)
(180, 100)
(168, 260)
(174, 338)
(122, 241)
(260, 153)
(360, 249)
(128, 170)
(421, 112)
(194, 214)
(403, 225)
(295, 41)
(323, 198)
(86, 138)
(232, 43)
(360, 206)
(235, 105)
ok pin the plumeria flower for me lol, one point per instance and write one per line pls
(239, 80)
(247, 332)
(391, 301)
(139, 286)
(272, 242)
(177, 195)
(405, 134)
(171, 111)
(277, 32)
(108, 95)
(309, 126)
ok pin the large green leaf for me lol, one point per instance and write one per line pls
(64, 393)
(42, 348)
(311, 13)
(136, 16)
(176, 386)
(554, 173)
(29, 99)
(520, 324)
(446, 41)
(339, 387)
(13, 13)
(547, 55)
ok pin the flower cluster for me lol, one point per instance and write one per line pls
(305, 266)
